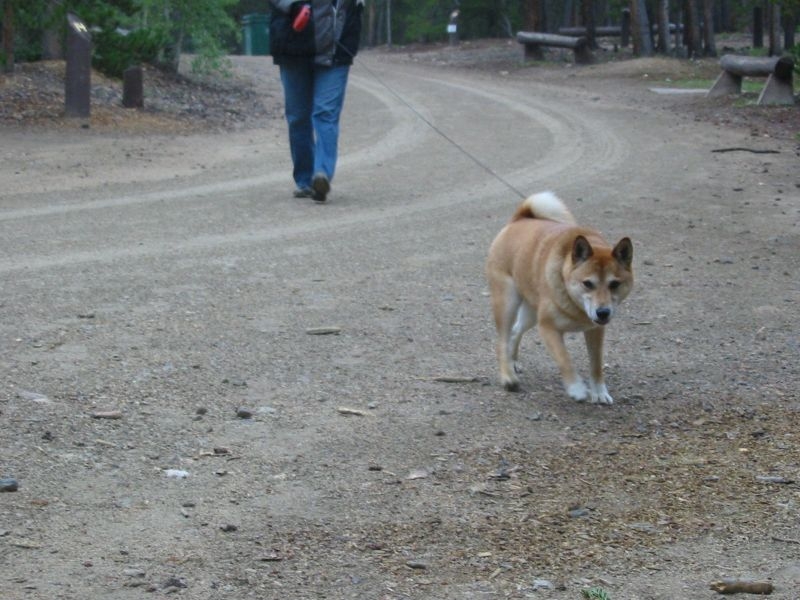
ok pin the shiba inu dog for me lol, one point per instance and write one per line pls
(545, 270)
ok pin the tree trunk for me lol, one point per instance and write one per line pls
(380, 7)
(758, 27)
(774, 30)
(692, 28)
(640, 29)
(709, 42)
(8, 36)
(663, 26)
(530, 16)
(170, 56)
(543, 16)
(587, 13)
(52, 48)
(389, 23)
(567, 19)
(625, 28)
(789, 26)
(725, 16)
(175, 58)
(371, 23)
(601, 8)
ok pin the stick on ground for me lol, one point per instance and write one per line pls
(742, 586)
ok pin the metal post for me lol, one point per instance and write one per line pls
(79, 69)
(452, 28)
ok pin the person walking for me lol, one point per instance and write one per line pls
(314, 42)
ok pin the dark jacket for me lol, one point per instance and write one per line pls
(330, 38)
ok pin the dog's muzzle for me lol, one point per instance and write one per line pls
(602, 316)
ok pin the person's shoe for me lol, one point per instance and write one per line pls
(304, 192)
(321, 186)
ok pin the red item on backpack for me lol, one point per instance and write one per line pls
(302, 18)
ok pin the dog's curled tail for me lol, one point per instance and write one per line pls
(544, 205)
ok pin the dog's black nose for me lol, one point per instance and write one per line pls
(603, 315)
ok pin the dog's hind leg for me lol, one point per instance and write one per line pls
(598, 393)
(525, 319)
(505, 306)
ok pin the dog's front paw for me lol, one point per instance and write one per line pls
(511, 384)
(598, 393)
(577, 390)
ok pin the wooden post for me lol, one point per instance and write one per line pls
(79, 69)
(132, 88)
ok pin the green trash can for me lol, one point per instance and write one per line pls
(255, 30)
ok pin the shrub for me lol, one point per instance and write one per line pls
(115, 50)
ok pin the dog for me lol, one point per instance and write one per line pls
(543, 269)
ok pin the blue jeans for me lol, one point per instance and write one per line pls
(313, 99)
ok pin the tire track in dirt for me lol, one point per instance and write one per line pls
(576, 137)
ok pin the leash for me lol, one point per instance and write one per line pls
(441, 133)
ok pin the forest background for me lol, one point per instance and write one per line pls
(159, 31)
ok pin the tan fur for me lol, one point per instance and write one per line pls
(545, 270)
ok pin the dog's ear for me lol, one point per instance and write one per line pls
(581, 250)
(623, 252)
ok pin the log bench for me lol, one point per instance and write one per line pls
(600, 31)
(534, 42)
(778, 71)
(610, 30)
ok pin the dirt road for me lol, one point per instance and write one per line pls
(176, 281)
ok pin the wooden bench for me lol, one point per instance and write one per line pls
(534, 42)
(778, 71)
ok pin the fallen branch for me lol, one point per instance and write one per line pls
(741, 149)
(742, 586)
(324, 331)
(107, 414)
(449, 379)
(351, 411)
(775, 538)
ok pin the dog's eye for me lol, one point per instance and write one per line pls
(588, 284)
(613, 285)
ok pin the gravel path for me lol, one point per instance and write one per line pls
(219, 391)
